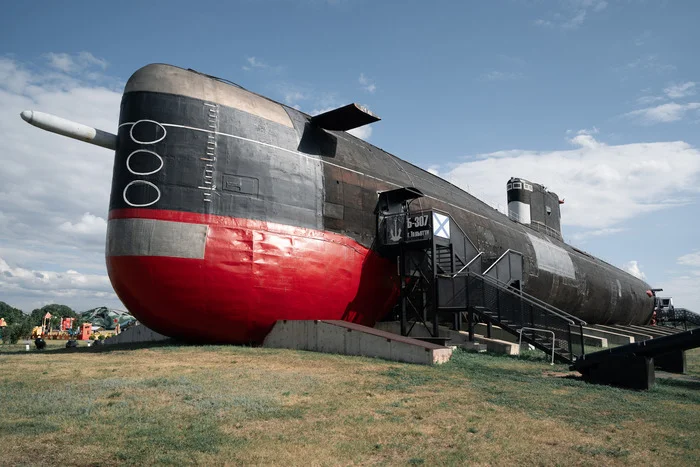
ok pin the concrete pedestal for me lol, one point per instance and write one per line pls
(626, 371)
(673, 362)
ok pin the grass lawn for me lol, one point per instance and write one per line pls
(217, 405)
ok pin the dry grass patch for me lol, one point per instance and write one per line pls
(217, 405)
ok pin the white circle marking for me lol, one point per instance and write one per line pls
(131, 132)
(144, 173)
(142, 182)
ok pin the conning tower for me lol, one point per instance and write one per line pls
(532, 205)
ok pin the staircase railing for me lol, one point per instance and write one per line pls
(507, 268)
(545, 305)
(520, 337)
(466, 266)
(508, 308)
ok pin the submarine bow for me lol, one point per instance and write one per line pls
(216, 218)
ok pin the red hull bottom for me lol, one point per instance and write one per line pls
(253, 273)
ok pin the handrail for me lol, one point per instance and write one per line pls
(544, 304)
(547, 229)
(575, 320)
(468, 264)
(554, 336)
(500, 258)
(547, 308)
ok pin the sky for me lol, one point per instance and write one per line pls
(597, 100)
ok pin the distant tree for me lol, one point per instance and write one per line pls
(20, 329)
(55, 322)
(10, 313)
(62, 311)
(36, 316)
(59, 310)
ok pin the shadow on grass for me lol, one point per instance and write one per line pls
(680, 383)
(103, 348)
(29, 428)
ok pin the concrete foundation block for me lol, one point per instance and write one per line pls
(474, 346)
(613, 338)
(136, 335)
(458, 338)
(627, 371)
(673, 362)
(626, 330)
(496, 345)
(352, 339)
(496, 333)
(595, 341)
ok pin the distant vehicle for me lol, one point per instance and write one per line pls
(664, 303)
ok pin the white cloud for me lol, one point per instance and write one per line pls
(585, 139)
(434, 169)
(575, 21)
(647, 100)
(32, 288)
(677, 91)
(306, 98)
(495, 75)
(642, 38)
(647, 63)
(54, 191)
(367, 84)
(685, 290)
(62, 62)
(691, 259)
(74, 63)
(293, 97)
(583, 236)
(597, 5)
(632, 267)
(512, 60)
(322, 110)
(48, 281)
(571, 14)
(363, 132)
(254, 63)
(663, 113)
(88, 225)
(603, 185)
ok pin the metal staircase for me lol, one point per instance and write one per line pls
(497, 304)
(441, 278)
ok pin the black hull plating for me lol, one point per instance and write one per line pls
(275, 166)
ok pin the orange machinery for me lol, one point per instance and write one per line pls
(85, 331)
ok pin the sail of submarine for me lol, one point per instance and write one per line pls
(230, 211)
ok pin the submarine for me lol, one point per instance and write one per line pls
(230, 211)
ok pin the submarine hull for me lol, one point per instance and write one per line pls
(252, 273)
(229, 211)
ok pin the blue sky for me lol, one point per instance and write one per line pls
(598, 100)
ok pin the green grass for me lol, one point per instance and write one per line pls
(217, 405)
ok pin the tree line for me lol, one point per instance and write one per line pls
(20, 324)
